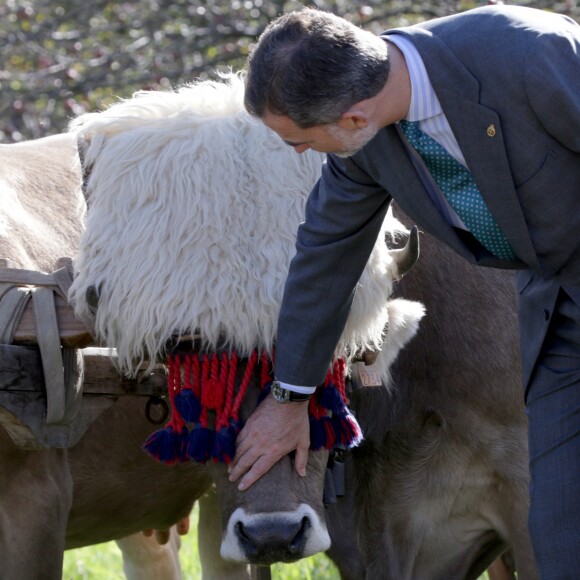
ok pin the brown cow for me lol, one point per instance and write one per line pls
(441, 481)
(439, 487)
(105, 487)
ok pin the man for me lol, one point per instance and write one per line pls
(477, 110)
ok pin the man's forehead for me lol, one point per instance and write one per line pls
(279, 122)
(288, 130)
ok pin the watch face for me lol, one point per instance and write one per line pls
(279, 393)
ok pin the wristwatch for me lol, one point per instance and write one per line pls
(282, 395)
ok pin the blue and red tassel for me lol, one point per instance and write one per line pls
(204, 385)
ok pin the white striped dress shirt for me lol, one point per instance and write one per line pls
(426, 109)
(425, 106)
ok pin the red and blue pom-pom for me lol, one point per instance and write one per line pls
(167, 445)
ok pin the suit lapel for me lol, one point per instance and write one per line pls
(479, 135)
(478, 132)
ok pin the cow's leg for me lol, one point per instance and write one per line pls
(209, 543)
(36, 492)
(145, 558)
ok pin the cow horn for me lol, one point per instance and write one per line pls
(406, 257)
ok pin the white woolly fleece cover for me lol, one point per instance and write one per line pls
(193, 212)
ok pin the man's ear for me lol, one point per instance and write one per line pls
(354, 118)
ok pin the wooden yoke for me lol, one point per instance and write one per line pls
(73, 332)
(51, 387)
(34, 311)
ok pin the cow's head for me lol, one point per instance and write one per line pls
(278, 519)
(281, 517)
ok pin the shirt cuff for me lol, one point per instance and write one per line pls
(298, 389)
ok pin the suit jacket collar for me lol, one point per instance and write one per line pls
(478, 133)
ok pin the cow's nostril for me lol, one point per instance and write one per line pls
(248, 543)
(297, 543)
(241, 531)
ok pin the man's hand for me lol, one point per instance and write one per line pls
(272, 431)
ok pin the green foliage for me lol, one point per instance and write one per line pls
(100, 562)
(63, 57)
(317, 567)
(104, 562)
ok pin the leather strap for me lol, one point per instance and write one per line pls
(13, 301)
(50, 351)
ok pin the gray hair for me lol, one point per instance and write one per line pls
(312, 66)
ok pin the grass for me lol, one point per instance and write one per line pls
(104, 562)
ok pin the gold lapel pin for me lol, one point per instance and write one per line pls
(491, 130)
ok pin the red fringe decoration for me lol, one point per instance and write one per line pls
(204, 397)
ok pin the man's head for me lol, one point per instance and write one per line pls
(312, 66)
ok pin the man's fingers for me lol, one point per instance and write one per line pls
(260, 467)
(241, 438)
(241, 464)
(242, 446)
(240, 452)
(301, 460)
(271, 432)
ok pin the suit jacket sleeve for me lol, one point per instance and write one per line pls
(344, 215)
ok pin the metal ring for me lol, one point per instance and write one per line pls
(156, 401)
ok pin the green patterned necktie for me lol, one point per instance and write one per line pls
(460, 190)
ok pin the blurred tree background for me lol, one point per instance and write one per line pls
(60, 58)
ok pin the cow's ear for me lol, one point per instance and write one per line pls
(404, 318)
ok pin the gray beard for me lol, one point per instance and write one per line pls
(350, 153)
(353, 142)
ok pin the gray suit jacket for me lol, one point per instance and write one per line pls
(508, 80)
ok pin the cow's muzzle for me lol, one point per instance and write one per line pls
(266, 538)
(273, 541)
